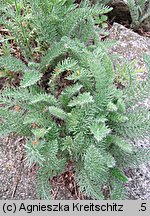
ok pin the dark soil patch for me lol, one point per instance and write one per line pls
(62, 82)
(2, 81)
(120, 14)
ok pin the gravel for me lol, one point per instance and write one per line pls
(16, 179)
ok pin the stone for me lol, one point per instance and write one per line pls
(131, 46)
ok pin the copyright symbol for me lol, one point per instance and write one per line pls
(9, 208)
(4, 208)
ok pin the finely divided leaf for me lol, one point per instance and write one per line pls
(95, 165)
(13, 64)
(43, 98)
(57, 112)
(71, 91)
(121, 143)
(99, 131)
(30, 78)
(119, 175)
(40, 132)
(81, 100)
(91, 188)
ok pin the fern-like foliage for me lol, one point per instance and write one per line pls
(89, 121)
(55, 19)
(139, 10)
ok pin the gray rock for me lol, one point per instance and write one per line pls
(131, 46)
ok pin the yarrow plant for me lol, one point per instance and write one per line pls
(139, 10)
(80, 115)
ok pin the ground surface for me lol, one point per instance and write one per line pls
(17, 181)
